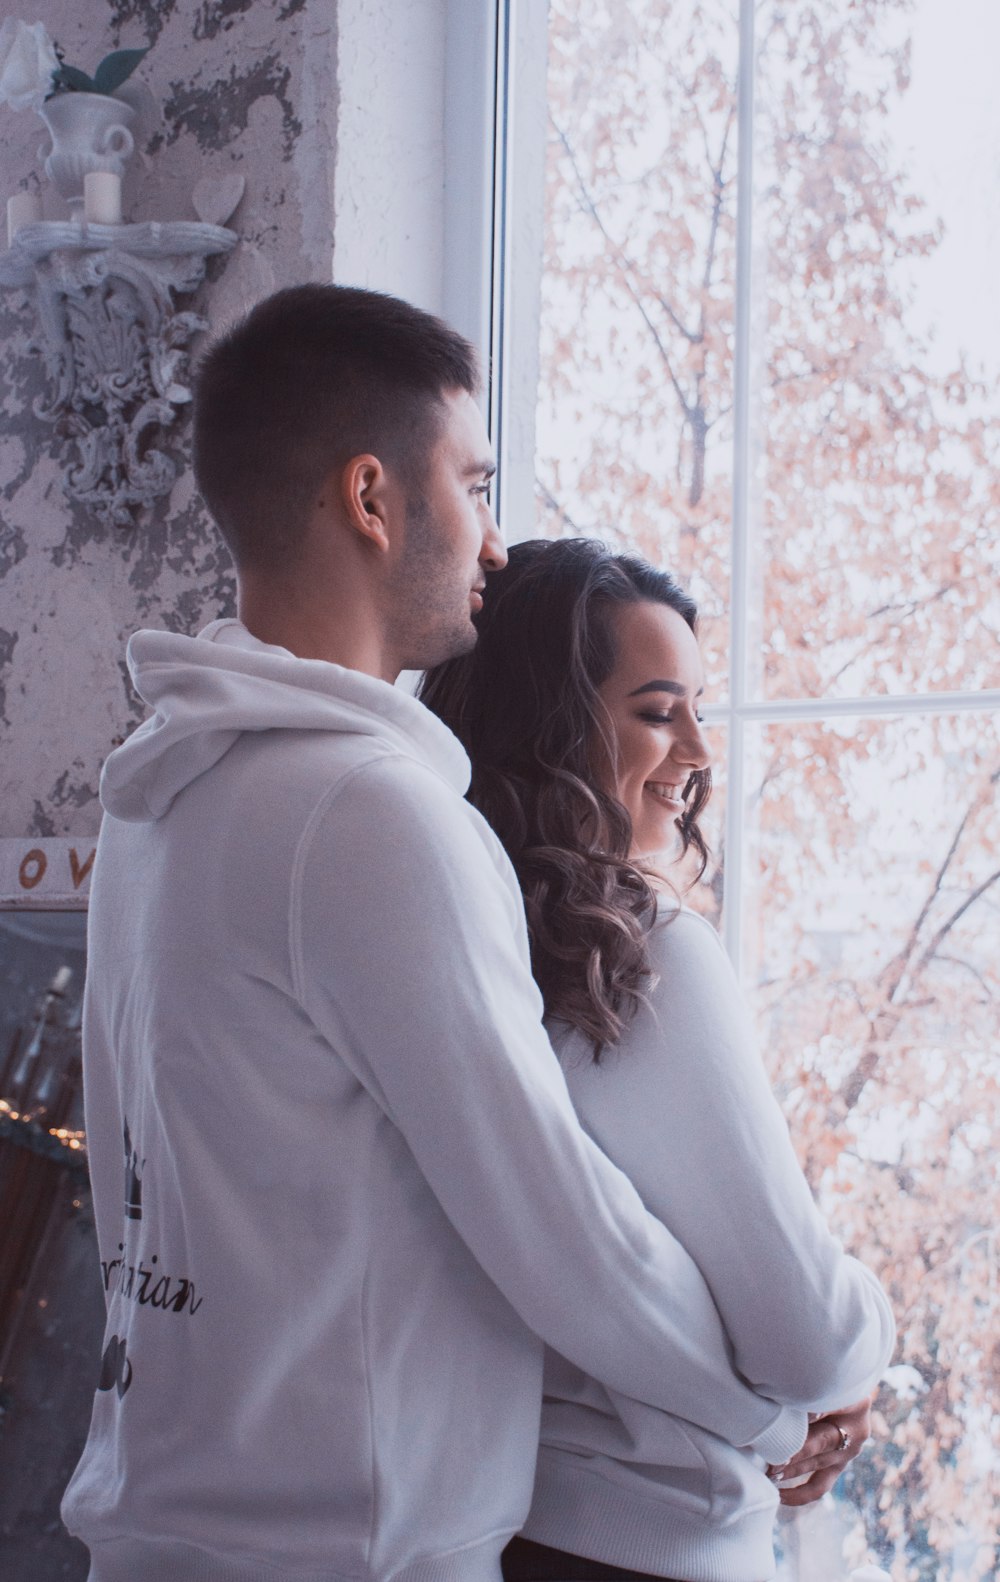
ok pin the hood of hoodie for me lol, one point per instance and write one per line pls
(206, 691)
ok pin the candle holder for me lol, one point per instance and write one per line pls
(115, 347)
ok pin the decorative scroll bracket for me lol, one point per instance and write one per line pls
(115, 347)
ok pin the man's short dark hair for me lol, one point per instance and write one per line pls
(312, 376)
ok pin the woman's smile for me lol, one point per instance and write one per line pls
(672, 796)
(651, 700)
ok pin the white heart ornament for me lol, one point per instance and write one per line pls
(215, 198)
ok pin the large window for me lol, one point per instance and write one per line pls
(767, 356)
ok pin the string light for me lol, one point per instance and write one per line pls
(53, 1142)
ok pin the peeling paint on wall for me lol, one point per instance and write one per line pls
(150, 15)
(218, 14)
(244, 88)
(8, 642)
(216, 112)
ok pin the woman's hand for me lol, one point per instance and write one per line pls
(832, 1441)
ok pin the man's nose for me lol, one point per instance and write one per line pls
(493, 556)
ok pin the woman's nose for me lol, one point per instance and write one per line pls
(692, 748)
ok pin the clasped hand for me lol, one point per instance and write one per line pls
(834, 1439)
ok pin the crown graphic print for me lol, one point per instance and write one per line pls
(133, 1180)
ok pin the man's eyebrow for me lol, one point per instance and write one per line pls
(673, 687)
(481, 469)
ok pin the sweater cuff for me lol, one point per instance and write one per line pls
(784, 1435)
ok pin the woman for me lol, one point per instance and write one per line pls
(579, 711)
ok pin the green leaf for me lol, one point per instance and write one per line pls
(71, 77)
(115, 68)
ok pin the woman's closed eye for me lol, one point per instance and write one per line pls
(663, 719)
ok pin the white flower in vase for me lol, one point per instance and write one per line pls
(28, 63)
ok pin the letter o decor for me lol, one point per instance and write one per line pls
(48, 871)
(32, 869)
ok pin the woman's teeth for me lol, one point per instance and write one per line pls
(670, 796)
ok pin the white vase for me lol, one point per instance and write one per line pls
(89, 131)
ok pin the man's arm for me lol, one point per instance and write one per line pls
(409, 954)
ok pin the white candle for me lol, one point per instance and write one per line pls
(24, 208)
(102, 197)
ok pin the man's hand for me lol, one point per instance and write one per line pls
(832, 1441)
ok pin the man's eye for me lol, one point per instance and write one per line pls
(483, 489)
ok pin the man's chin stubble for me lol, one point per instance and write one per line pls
(435, 650)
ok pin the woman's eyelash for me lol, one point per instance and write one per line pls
(665, 719)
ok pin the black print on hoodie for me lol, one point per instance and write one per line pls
(137, 1283)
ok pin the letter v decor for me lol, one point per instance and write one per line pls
(114, 345)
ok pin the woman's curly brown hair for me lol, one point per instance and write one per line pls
(525, 705)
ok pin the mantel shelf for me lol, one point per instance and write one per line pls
(152, 239)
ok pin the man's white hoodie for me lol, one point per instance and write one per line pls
(341, 1192)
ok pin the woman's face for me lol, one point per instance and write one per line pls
(651, 699)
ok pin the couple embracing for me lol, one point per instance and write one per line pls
(432, 1090)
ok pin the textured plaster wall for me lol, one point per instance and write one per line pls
(246, 87)
(390, 137)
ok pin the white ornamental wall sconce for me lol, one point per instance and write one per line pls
(113, 341)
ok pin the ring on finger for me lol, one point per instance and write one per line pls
(845, 1438)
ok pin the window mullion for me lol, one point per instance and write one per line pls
(773, 711)
(732, 918)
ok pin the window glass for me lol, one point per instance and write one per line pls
(877, 251)
(634, 419)
(874, 937)
(858, 869)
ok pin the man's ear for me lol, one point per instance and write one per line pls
(364, 496)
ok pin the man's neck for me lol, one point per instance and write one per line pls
(350, 639)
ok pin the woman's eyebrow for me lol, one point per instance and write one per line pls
(661, 686)
(674, 687)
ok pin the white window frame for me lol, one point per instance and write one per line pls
(517, 166)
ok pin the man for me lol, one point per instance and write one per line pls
(341, 1194)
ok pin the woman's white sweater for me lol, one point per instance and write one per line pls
(683, 1105)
